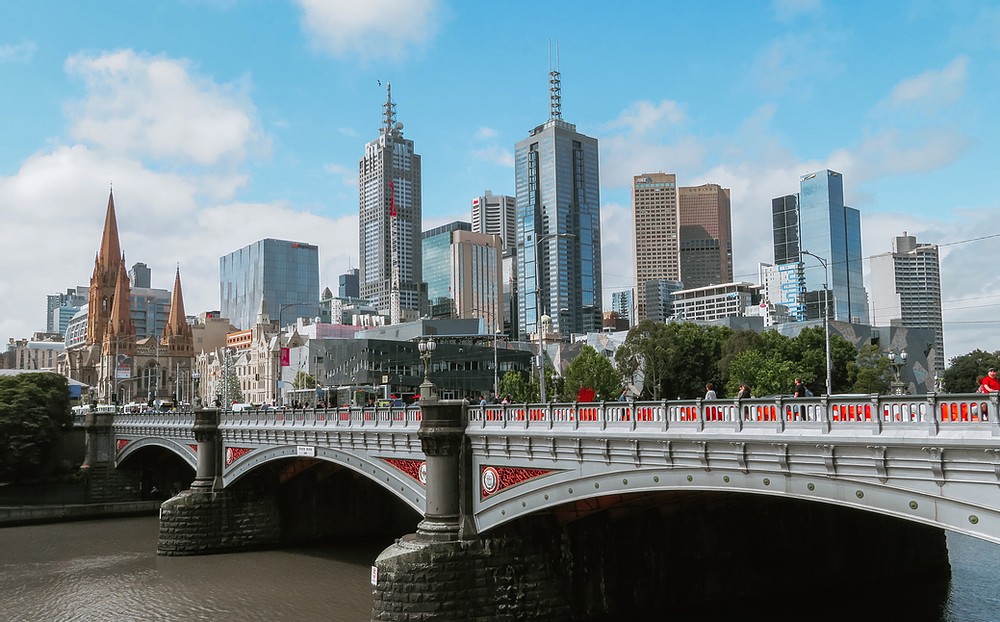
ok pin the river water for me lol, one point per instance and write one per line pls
(108, 570)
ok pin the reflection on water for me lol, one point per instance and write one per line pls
(109, 570)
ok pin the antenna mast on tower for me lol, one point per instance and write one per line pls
(390, 130)
(555, 86)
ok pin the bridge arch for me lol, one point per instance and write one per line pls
(402, 486)
(184, 451)
(904, 500)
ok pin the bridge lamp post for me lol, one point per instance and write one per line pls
(277, 372)
(427, 347)
(898, 386)
(826, 319)
(538, 306)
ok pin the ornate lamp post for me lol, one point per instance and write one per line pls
(898, 386)
(826, 319)
(427, 347)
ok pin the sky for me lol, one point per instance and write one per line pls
(222, 122)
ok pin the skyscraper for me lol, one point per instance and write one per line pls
(464, 274)
(656, 223)
(816, 223)
(495, 214)
(558, 225)
(906, 289)
(706, 235)
(390, 222)
(266, 275)
(348, 284)
(436, 250)
(832, 231)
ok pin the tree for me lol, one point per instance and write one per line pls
(642, 356)
(869, 372)
(304, 381)
(765, 373)
(965, 371)
(590, 369)
(33, 410)
(518, 387)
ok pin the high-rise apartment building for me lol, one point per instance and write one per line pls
(266, 276)
(813, 228)
(557, 183)
(706, 235)
(906, 290)
(496, 214)
(60, 308)
(390, 222)
(623, 303)
(139, 275)
(656, 224)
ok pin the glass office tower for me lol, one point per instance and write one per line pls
(558, 226)
(267, 275)
(831, 230)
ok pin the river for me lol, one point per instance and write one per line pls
(108, 570)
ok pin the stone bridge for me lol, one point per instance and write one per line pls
(931, 460)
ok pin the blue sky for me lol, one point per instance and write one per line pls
(221, 122)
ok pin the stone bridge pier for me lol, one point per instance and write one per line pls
(207, 518)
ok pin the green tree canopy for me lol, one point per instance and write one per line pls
(303, 380)
(590, 369)
(869, 372)
(965, 371)
(33, 410)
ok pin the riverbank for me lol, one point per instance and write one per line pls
(11, 516)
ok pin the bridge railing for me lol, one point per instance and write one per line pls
(389, 416)
(932, 411)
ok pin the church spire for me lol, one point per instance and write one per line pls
(120, 333)
(103, 281)
(177, 336)
(110, 250)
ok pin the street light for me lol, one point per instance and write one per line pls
(427, 347)
(898, 386)
(277, 372)
(826, 319)
(538, 306)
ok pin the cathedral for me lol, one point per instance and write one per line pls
(116, 366)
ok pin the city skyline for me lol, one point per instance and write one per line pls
(213, 146)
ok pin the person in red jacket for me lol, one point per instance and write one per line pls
(990, 382)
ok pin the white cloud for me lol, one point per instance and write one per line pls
(644, 118)
(348, 176)
(157, 107)
(18, 53)
(173, 194)
(894, 152)
(794, 61)
(370, 29)
(787, 10)
(485, 133)
(932, 89)
(497, 155)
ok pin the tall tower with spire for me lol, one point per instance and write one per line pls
(558, 225)
(390, 218)
(177, 337)
(104, 279)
